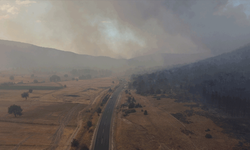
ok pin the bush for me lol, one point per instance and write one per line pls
(131, 105)
(128, 111)
(35, 81)
(208, 136)
(66, 76)
(55, 78)
(30, 90)
(207, 130)
(99, 110)
(74, 143)
(84, 147)
(89, 124)
(145, 112)
(65, 85)
(138, 106)
(25, 95)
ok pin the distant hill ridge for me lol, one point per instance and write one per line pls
(22, 55)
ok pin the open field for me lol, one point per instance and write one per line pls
(160, 130)
(50, 117)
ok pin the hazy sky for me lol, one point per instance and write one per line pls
(128, 28)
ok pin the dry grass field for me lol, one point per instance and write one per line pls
(160, 130)
(50, 117)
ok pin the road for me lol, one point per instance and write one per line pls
(101, 142)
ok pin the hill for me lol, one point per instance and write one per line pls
(221, 81)
(22, 55)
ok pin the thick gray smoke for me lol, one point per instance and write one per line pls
(123, 28)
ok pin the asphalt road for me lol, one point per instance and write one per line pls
(103, 132)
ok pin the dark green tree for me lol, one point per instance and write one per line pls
(16, 110)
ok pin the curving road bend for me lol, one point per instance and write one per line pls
(102, 139)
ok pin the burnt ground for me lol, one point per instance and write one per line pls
(235, 127)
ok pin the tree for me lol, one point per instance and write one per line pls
(11, 77)
(145, 112)
(16, 110)
(32, 76)
(30, 90)
(35, 81)
(66, 76)
(131, 105)
(99, 110)
(55, 78)
(89, 124)
(74, 143)
(25, 95)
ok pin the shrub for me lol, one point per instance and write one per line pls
(65, 85)
(25, 95)
(138, 106)
(89, 124)
(84, 147)
(35, 81)
(55, 78)
(99, 110)
(145, 112)
(131, 105)
(30, 90)
(74, 143)
(208, 136)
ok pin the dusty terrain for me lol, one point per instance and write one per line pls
(50, 117)
(160, 130)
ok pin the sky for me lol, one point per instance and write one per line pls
(128, 28)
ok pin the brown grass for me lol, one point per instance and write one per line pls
(159, 130)
(48, 116)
